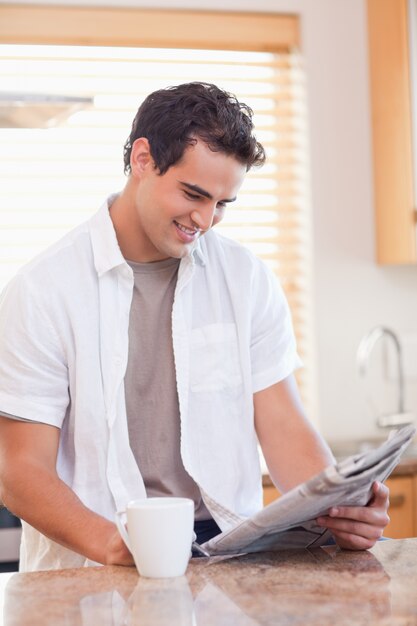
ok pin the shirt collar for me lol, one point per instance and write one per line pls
(106, 251)
(198, 252)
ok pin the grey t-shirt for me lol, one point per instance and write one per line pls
(150, 385)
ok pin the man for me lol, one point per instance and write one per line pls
(144, 354)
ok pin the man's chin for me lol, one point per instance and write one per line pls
(182, 252)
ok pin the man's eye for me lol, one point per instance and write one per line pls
(192, 196)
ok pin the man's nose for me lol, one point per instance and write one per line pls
(203, 217)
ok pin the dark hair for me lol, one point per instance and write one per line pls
(174, 118)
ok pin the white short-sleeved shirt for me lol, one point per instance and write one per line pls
(63, 354)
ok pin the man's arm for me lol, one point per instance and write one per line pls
(31, 489)
(294, 452)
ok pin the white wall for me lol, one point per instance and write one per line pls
(352, 294)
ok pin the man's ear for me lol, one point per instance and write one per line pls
(140, 157)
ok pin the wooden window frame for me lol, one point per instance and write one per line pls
(159, 28)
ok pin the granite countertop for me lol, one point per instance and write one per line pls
(323, 587)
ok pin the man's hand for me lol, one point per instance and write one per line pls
(45, 501)
(294, 452)
(117, 552)
(359, 527)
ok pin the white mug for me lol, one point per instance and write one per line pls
(159, 535)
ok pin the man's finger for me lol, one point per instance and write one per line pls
(380, 495)
(352, 527)
(349, 541)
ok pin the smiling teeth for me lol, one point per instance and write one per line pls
(186, 230)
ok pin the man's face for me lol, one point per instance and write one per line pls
(173, 210)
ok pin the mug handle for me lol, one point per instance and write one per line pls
(122, 529)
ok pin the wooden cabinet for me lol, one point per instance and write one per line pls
(270, 494)
(403, 507)
(391, 96)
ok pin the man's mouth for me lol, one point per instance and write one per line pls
(185, 229)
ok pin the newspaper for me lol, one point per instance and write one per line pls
(290, 521)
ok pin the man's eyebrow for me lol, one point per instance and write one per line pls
(202, 191)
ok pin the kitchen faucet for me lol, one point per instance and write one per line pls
(365, 348)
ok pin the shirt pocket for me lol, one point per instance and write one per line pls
(214, 358)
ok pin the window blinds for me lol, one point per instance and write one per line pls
(53, 178)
